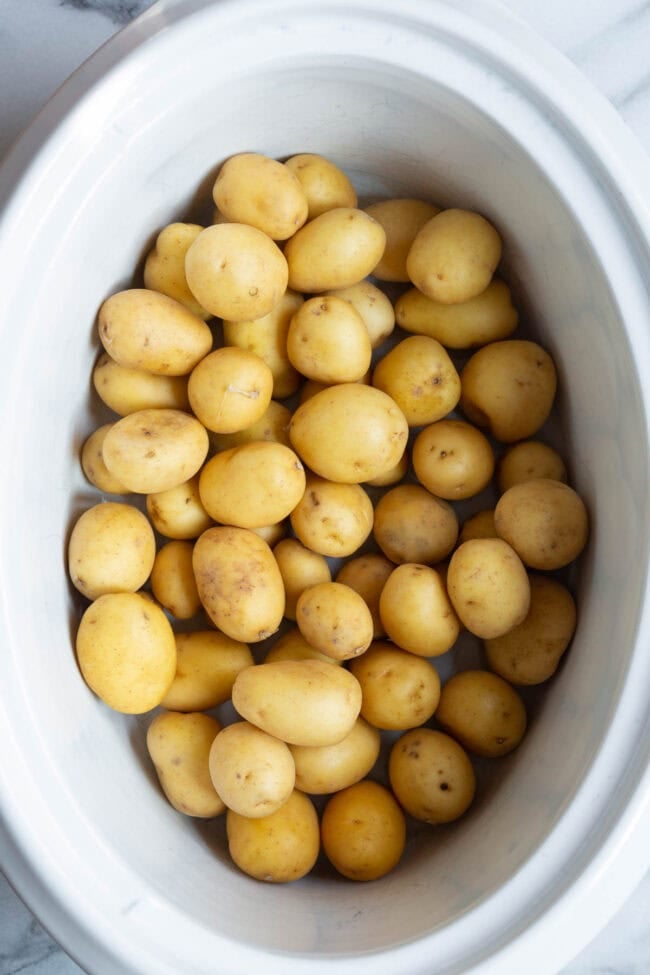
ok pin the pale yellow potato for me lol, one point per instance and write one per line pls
(251, 486)
(142, 329)
(431, 776)
(413, 526)
(349, 433)
(178, 512)
(293, 646)
(334, 250)
(127, 390)
(311, 386)
(421, 378)
(328, 341)
(367, 575)
(509, 387)
(111, 549)
(207, 663)
(399, 689)
(218, 217)
(253, 189)
(416, 612)
(236, 272)
(483, 712)
(529, 461)
(402, 220)
(155, 450)
(332, 519)
(488, 587)
(320, 771)
(488, 317)
(179, 747)
(480, 525)
(325, 185)
(172, 580)
(545, 521)
(300, 568)
(363, 831)
(272, 534)
(230, 390)
(278, 848)
(394, 475)
(453, 460)
(374, 307)
(164, 267)
(126, 652)
(273, 425)
(302, 702)
(335, 619)
(239, 583)
(454, 256)
(93, 466)
(253, 772)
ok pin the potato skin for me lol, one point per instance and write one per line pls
(111, 549)
(374, 307)
(335, 619)
(545, 521)
(413, 526)
(320, 771)
(207, 663)
(421, 378)
(402, 220)
(488, 587)
(300, 568)
(172, 580)
(453, 460)
(278, 848)
(363, 831)
(273, 425)
(94, 467)
(328, 341)
(293, 646)
(230, 389)
(367, 575)
(416, 611)
(480, 525)
(488, 317)
(529, 461)
(483, 712)
(332, 519)
(179, 746)
(399, 690)
(251, 188)
(324, 184)
(164, 268)
(178, 512)
(127, 390)
(431, 776)
(252, 772)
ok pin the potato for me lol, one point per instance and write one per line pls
(302, 702)
(253, 772)
(367, 575)
(142, 329)
(126, 652)
(272, 534)
(416, 612)
(488, 587)
(413, 526)
(509, 388)
(483, 712)
(431, 776)
(155, 450)
(332, 519)
(329, 342)
(111, 549)
(453, 460)
(251, 486)
(293, 646)
(164, 268)
(531, 652)
(421, 378)
(236, 272)
(488, 317)
(334, 619)
(179, 746)
(207, 663)
(310, 387)
(324, 184)
(172, 580)
(374, 307)
(252, 189)
(349, 433)
(480, 525)
(127, 390)
(545, 521)
(334, 250)
(363, 831)
(300, 568)
(178, 512)
(529, 461)
(230, 390)
(454, 256)
(320, 771)
(402, 220)
(392, 476)
(399, 690)
(278, 848)
(93, 466)
(273, 425)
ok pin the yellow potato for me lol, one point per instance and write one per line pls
(413, 526)
(325, 185)
(545, 521)
(207, 663)
(253, 772)
(320, 771)
(363, 831)
(273, 425)
(402, 220)
(332, 519)
(179, 746)
(367, 575)
(454, 256)
(480, 525)
(230, 389)
(431, 776)
(488, 587)
(278, 848)
(127, 390)
(252, 189)
(311, 387)
(93, 466)
(421, 378)
(528, 461)
(272, 534)
(335, 619)
(373, 306)
(488, 317)
(394, 475)
(126, 652)
(453, 460)
(142, 329)
(483, 712)
(328, 341)
(172, 580)
(300, 568)
(178, 512)
(416, 612)
(164, 268)
(399, 690)
(111, 549)
(293, 646)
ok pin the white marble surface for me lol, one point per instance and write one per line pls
(42, 41)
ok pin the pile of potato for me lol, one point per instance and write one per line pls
(333, 510)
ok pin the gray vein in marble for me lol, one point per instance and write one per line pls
(118, 11)
(640, 88)
(605, 37)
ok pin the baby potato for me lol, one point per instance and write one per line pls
(374, 307)
(334, 619)
(332, 519)
(111, 549)
(483, 712)
(413, 526)
(253, 772)
(93, 466)
(178, 512)
(509, 388)
(529, 460)
(367, 575)
(142, 329)
(431, 776)
(320, 771)
(155, 450)
(253, 189)
(531, 652)
(454, 256)
(402, 220)
(127, 390)
(488, 587)
(394, 475)
(453, 460)
(334, 250)
(421, 378)
(126, 652)
(488, 317)
(545, 521)
(416, 612)
(272, 534)
(363, 831)
(480, 525)
(207, 663)
(164, 268)
(230, 390)
(239, 583)
(399, 690)
(300, 568)
(278, 848)
(236, 272)
(172, 580)
(293, 646)
(273, 425)
(324, 184)
(179, 747)
(329, 342)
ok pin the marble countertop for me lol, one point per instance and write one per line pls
(43, 41)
